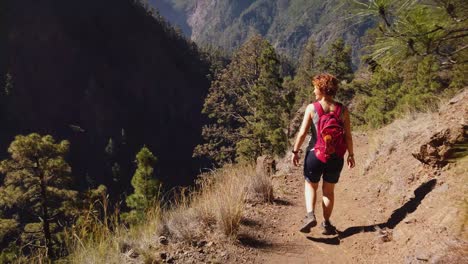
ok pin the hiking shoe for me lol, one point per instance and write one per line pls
(328, 228)
(308, 222)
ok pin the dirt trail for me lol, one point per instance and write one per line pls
(376, 223)
(287, 245)
(389, 209)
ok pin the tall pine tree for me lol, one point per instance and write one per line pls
(146, 187)
(35, 184)
(265, 133)
(337, 61)
(306, 70)
(247, 105)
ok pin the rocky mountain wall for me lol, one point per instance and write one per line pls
(287, 24)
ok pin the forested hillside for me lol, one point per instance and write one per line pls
(104, 79)
(107, 76)
(105, 107)
(286, 24)
(414, 56)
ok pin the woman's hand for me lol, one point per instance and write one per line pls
(305, 126)
(350, 161)
(295, 159)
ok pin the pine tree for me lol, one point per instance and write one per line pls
(417, 29)
(36, 177)
(248, 106)
(382, 93)
(265, 133)
(8, 88)
(415, 50)
(291, 102)
(229, 103)
(306, 70)
(146, 186)
(110, 149)
(337, 61)
(5, 95)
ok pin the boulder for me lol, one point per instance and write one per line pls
(266, 165)
(442, 146)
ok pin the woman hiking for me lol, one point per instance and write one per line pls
(331, 137)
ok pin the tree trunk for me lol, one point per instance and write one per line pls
(45, 219)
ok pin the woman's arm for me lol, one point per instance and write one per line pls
(349, 139)
(305, 126)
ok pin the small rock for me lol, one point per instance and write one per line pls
(209, 244)
(163, 255)
(201, 243)
(133, 254)
(386, 235)
(124, 247)
(443, 188)
(163, 240)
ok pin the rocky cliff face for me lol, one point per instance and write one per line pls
(287, 24)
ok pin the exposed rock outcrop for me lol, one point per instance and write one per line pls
(442, 146)
(266, 165)
(452, 141)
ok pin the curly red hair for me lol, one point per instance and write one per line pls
(326, 83)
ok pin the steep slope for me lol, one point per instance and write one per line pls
(391, 208)
(109, 77)
(287, 24)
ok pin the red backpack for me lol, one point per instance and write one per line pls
(330, 133)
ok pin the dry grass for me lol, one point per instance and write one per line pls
(260, 189)
(460, 174)
(413, 126)
(211, 211)
(216, 207)
(106, 241)
(38, 256)
(384, 141)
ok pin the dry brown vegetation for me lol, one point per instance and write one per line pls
(210, 212)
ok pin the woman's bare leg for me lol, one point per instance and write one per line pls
(328, 199)
(310, 192)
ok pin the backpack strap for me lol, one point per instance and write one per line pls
(318, 109)
(338, 110)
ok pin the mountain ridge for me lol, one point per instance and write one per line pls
(286, 24)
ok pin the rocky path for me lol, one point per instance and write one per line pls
(389, 209)
(281, 242)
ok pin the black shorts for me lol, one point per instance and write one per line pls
(314, 168)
